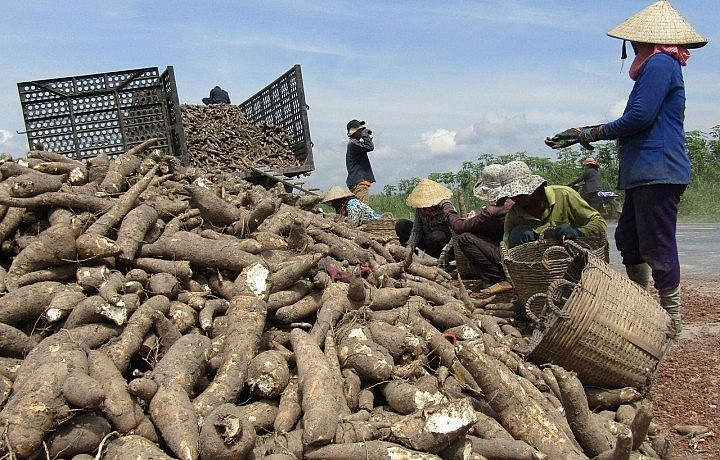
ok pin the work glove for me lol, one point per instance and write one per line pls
(583, 136)
(567, 232)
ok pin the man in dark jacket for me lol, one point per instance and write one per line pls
(217, 96)
(360, 174)
(591, 182)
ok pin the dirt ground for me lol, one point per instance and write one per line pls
(686, 389)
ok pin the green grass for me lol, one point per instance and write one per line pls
(392, 203)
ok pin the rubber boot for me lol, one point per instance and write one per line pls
(640, 274)
(670, 301)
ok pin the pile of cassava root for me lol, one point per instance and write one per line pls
(220, 140)
(150, 310)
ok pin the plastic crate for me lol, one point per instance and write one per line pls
(85, 115)
(282, 103)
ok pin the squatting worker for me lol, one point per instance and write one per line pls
(539, 207)
(360, 174)
(346, 205)
(428, 230)
(479, 236)
(654, 165)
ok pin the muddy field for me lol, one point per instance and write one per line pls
(687, 388)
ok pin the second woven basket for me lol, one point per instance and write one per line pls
(605, 328)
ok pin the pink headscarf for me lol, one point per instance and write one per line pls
(643, 52)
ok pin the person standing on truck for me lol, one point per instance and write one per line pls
(217, 96)
(591, 182)
(654, 164)
(360, 174)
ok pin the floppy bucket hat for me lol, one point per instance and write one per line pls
(336, 192)
(353, 126)
(428, 193)
(659, 24)
(488, 187)
(516, 179)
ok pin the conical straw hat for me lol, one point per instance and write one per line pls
(335, 193)
(428, 193)
(659, 24)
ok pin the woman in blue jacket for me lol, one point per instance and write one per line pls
(654, 165)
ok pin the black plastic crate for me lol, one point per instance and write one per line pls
(85, 115)
(82, 116)
(282, 103)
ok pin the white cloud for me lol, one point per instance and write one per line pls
(492, 125)
(5, 136)
(440, 141)
(12, 143)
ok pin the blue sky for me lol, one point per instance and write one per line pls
(438, 82)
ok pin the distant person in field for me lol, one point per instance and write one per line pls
(654, 167)
(591, 181)
(479, 236)
(217, 96)
(428, 230)
(360, 174)
(347, 205)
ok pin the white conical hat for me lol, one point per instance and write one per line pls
(428, 193)
(336, 192)
(659, 24)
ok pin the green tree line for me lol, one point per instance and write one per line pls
(699, 203)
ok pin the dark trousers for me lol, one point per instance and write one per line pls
(521, 234)
(646, 231)
(484, 253)
(432, 243)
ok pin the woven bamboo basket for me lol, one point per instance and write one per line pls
(383, 227)
(605, 328)
(533, 266)
(598, 245)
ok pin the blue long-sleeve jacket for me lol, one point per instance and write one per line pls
(651, 133)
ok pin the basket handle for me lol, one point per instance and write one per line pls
(579, 246)
(554, 292)
(559, 253)
(530, 301)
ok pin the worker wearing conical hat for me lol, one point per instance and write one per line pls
(654, 165)
(428, 230)
(346, 205)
